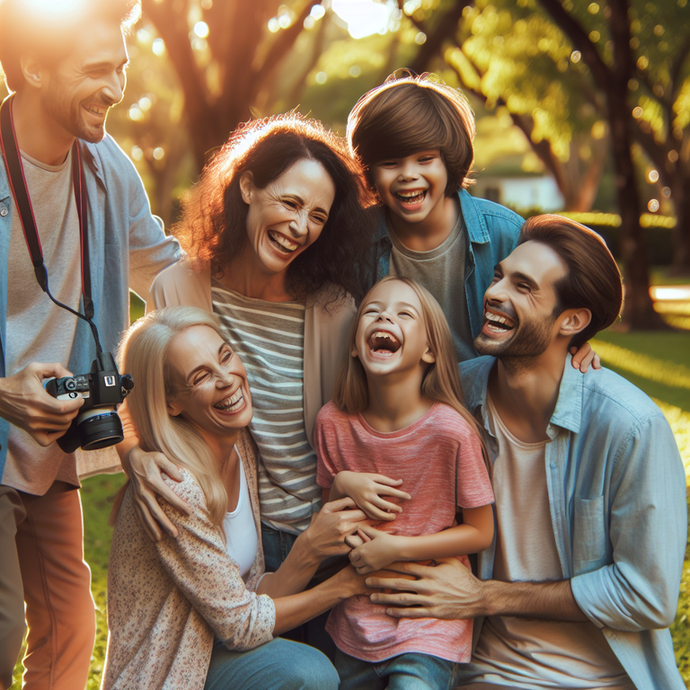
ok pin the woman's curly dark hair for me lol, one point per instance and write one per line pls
(213, 225)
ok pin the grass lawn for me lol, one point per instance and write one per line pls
(659, 363)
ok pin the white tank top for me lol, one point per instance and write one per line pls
(240, 530)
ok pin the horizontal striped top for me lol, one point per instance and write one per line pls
(269, 338)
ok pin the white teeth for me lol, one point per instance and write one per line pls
(495, 317)
(233, 401)
(411, 194)
(283, 241)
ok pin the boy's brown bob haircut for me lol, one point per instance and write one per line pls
(411, 114)
(593, 280)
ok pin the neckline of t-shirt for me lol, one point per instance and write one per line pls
(292, 304)
(44, 166)
(445, 246)
(399, 432)
(524, 445)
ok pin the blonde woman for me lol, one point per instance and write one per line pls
(198, 611)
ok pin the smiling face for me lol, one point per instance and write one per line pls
(288, 215)
(210, 381)
(80, 89)
(412, 188)
(391, 333)
(521, 309)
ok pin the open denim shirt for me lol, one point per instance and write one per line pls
(617, 493)
(492, 230)
(127, 248)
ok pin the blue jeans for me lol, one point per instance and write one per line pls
(409, 671)
(276, 665)
(277, 545)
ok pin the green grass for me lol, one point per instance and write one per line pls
(658, 363)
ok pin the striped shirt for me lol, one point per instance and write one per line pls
(269, 338)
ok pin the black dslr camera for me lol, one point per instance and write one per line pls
(97, 424)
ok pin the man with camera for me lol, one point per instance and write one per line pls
(72, 204)
(581, 582)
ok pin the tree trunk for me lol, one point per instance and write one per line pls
(638, 310)
(681, 233)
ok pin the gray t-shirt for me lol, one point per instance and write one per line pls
(523, 652)
(442, 272)
(37, 329)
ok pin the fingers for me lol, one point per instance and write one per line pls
(153, 531)
(339, 504)
(170, 497)
(165, 465)
(354, 540)
(596, 362)
(377, 514)
(403, 589)
(47, 370)
(367, 533)
(395, 493)
(383, 479)
(353, 518)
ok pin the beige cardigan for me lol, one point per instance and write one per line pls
(325, 329)
(167, 599)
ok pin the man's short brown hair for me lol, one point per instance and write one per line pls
(27, 27)
(593, 280)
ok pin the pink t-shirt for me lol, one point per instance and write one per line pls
(439, 458)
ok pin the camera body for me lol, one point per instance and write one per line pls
(97, 424)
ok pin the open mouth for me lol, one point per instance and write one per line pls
(281, 243)
(232, 403)
(96, 110)
(383, 343)
(497, 323)
(415, 196)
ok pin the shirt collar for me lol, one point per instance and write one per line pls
(92, 159)
(568, 412)
(475, 223)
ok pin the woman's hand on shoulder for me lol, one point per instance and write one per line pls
(329, 528)
(371, 493)
(145, 470)
(583, 357)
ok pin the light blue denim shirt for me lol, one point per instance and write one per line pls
(493, 233)
(616, 487)
(127, 248)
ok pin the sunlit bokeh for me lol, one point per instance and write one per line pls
(58, 8)
(364, 17)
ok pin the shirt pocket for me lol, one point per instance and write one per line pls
(589, 534)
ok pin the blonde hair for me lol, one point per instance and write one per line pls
(441, 381)
(143, 352)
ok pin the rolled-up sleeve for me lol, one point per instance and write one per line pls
(647, 532)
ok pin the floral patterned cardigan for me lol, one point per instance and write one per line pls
(167, 600)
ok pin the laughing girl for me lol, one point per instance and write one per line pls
(398, 412)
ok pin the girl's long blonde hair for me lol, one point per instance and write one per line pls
(441, 381)
(143, 352)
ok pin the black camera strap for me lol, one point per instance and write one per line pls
(20, 193)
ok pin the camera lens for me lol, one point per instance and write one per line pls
(99, 427)
(70, 384)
